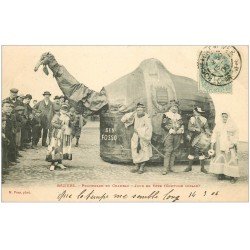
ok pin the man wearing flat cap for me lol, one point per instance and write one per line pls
(197, 127)
(141, 148)
(13, 98)
(46, 106)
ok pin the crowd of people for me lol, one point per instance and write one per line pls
(221, 142)
(25, 121)
(56, 124)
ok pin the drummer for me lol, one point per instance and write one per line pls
(196, 126)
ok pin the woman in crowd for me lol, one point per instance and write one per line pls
(60, 145)
(225, 137)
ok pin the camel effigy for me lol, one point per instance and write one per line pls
(76, 92)
(152, 84)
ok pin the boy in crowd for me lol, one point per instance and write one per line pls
(34, 103)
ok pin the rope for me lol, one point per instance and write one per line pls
(157, 150)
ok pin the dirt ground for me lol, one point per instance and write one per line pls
(88, 167)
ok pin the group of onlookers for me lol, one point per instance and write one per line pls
(24, 122)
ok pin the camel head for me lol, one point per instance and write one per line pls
(45, 60)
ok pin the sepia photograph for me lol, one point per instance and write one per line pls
(125, 123)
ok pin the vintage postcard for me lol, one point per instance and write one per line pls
(125, 123)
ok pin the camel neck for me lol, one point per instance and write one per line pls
(54, 67)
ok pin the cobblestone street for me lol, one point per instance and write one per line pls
(88, 167)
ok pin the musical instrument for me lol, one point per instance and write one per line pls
(202, 142)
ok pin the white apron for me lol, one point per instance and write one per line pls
(226, 160)
(140, 142)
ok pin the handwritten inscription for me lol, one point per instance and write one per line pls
(171, 195)
(83, 195)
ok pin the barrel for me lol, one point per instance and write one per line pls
(152, 84)
(114, 139)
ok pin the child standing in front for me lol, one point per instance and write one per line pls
(60, 145)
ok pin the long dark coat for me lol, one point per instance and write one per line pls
(47, 113)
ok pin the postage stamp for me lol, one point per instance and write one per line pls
(218, 67)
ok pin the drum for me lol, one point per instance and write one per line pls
(202, 142)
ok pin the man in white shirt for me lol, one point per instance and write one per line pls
(141, 140)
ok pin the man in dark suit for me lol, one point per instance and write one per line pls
(47, 112)
(36, 127)
(27, 113)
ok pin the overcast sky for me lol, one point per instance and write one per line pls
(97, 66)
